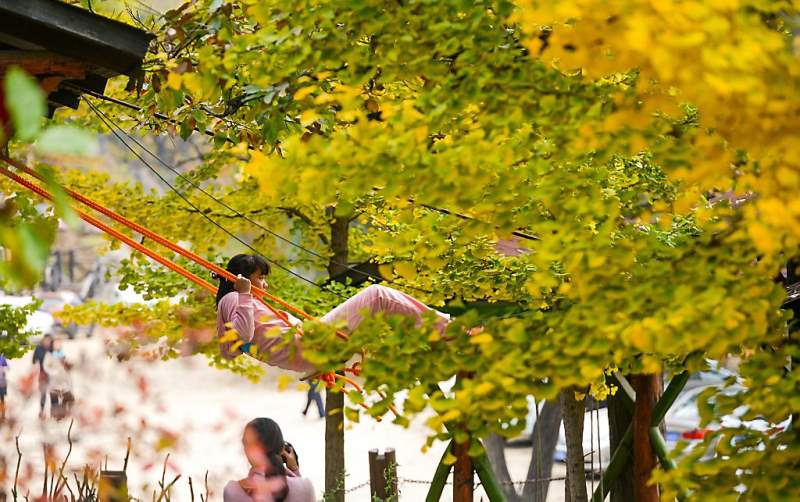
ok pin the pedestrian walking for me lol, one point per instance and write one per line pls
(60, 382)
(314, 396)
(44, 347)
(3, 385)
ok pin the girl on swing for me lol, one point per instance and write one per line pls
(236, 308)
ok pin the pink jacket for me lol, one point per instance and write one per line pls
(252, 322)
(300, 490)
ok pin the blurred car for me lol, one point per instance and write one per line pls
(54, 302)
(714, 375)
(39, 321)
(683, 419)
(681, 422)
(129, 296)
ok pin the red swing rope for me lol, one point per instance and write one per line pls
(329, 379)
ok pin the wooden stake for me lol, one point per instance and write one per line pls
(377, 481)
(383, 474)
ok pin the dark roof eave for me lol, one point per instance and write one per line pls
(110, 45)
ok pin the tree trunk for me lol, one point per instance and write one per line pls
(496, 451)
(619, 418)
(334, 401)
(647, 389)
(574, 411)
(544, 438)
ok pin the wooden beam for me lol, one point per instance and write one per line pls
(43, 63)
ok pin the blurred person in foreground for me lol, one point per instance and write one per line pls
(274, 469)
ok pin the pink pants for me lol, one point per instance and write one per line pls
(377, 298)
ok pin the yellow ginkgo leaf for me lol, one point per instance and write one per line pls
(481, 339)
(230, 336)
(303, 92)
(174, 81)
(284, 381)
(308, 117)
(406, 270)
(193, 83)
(483, 389)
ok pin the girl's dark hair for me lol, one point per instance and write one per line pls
(244, 264)
(271, 438)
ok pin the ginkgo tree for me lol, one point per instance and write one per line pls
(648, 148)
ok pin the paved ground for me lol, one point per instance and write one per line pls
(196, 414)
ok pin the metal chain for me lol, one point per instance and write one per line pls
(402, 481)
(420, 481)
(357, 487)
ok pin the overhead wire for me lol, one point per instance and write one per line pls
(161, 116)
(238, 213)
(211, 220)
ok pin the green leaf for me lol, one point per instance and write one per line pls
(355, 397)
(66, 140)
(60, 199)
(344, 209)
(352, 414)
(25, 101)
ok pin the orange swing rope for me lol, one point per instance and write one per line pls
(259, 293)
(329, 379)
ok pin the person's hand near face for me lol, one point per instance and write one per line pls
(244, 284)
(289, 457)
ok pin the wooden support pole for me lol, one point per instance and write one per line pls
(647, 389)
(669, 396)
(488, 480)
(620, 420)
(463, 470)
(623, 452)
(660, 449)
(463, 474)
(618, 461)
(440, 477)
